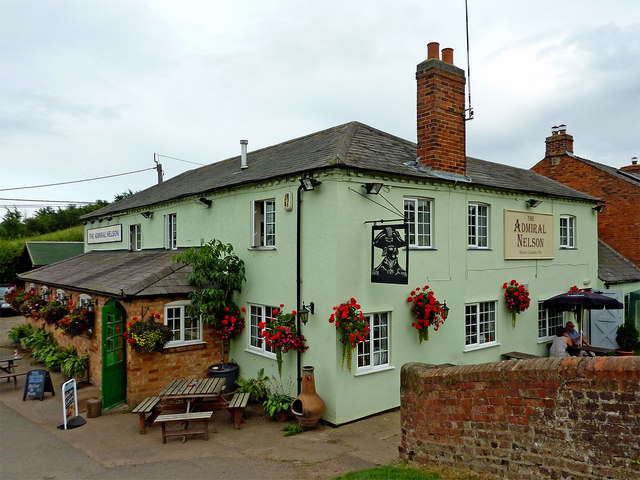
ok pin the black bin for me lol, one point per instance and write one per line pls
(228, 371)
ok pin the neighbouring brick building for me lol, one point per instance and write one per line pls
(619, 223)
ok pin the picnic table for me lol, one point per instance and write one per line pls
(8, 368)
(194, 390)
(597, 351)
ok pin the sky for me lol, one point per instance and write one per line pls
(96, 88)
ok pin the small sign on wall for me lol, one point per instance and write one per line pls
(112, 233)
(527, 235)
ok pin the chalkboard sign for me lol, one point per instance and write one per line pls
(38, 382)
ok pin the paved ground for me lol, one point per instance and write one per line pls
(110, 447)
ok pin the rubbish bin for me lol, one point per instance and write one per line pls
(228, 371)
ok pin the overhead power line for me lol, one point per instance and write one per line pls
(69, 202)
(77, 181)
(180, 159)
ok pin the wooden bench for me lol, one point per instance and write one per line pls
(148, 406)
(518, 356)
(13, 375)
(236, 408)
(194, 423)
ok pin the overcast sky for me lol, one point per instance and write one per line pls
(95, 88)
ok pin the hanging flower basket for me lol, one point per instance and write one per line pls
(352, 328)
(427, 311)
(281, 333)
(76, 322)
(516, 297)
(147, 335)
(53, 311)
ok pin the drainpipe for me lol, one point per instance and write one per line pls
(298, 281)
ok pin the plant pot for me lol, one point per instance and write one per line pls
(228, 371)
(16, 341)
(283, 415)
(623, 353)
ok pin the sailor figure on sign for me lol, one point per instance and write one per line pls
(389, 270)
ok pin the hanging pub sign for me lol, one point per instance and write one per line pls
(389, 252)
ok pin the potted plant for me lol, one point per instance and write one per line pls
(427, 311)
(53, 311)
(627, 337)
(257, 388)
(352, 327)
(75, 366)
(76, 322)
(18, 332)
(281, 333)
(148, 335)
(277, 405)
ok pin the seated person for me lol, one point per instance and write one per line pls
(560, 343)
(574, 335)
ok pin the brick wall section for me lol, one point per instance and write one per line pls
(619, 224)
(147, 373)
(440, 116)
(526, 419)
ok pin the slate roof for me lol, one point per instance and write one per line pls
(350, 146)
(614, 268)
(44, 253)
(616, 172)
(117, 273)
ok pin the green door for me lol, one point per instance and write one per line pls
(114, 367)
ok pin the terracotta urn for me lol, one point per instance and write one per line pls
(308, 406)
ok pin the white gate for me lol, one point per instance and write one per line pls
(604, 323)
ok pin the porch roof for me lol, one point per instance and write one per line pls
(117, 273)
(614, 268)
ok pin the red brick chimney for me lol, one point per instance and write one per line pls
(560, 142)
(633, 168)
(441, 124)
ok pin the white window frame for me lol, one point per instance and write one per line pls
(180, 306)
(60, 294)
(263, 223)
(412, 213)
(259, 313)
(548, 322)
(84, 299)
(373, 355)
(135, 237)
(171, 231)
(567, 231)
(44, 292)
(477, 239)
(479, 317)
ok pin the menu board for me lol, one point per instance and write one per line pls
(38, 382)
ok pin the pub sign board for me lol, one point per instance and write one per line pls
(389, 252)
(111, 233)
(38, 382)
(528, 235)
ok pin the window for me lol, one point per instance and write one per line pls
(480, 323)
(264, 223)
(186, 330)
(84, 299)
(44, 293)
(478, 226)
(135, 237)
(259, 314)
(171, 232)
(567, 231)
(548, 322)
(60, 294)
(374, 352)
(417, 211)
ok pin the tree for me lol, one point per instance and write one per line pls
(12, 226)
(218, 273)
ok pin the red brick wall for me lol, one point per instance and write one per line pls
(526, 419)
(440, 116)
(147, 373)
(619, 224)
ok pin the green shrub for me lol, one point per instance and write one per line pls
(256, 387)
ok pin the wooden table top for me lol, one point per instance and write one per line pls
(193, 388)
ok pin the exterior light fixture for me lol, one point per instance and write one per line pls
(101, 220)
(533, 203)
(109, 218)
(372, 188)
(309, 183)
(92, 305)
(303, 314)
(146, 214)
(205, 201)
(445, 311)
(599, 208)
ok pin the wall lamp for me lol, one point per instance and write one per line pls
(146, 214)
(533, 203)
(445, 311)
(303, 314)
(309, 183)
(599, 208)
(109, 219)
(101, 220)
(372, 188)
(206, 201)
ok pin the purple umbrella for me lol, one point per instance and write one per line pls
(580, 300)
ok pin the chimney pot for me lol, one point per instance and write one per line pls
(243, 154)
(447, 55)
(433, 50)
